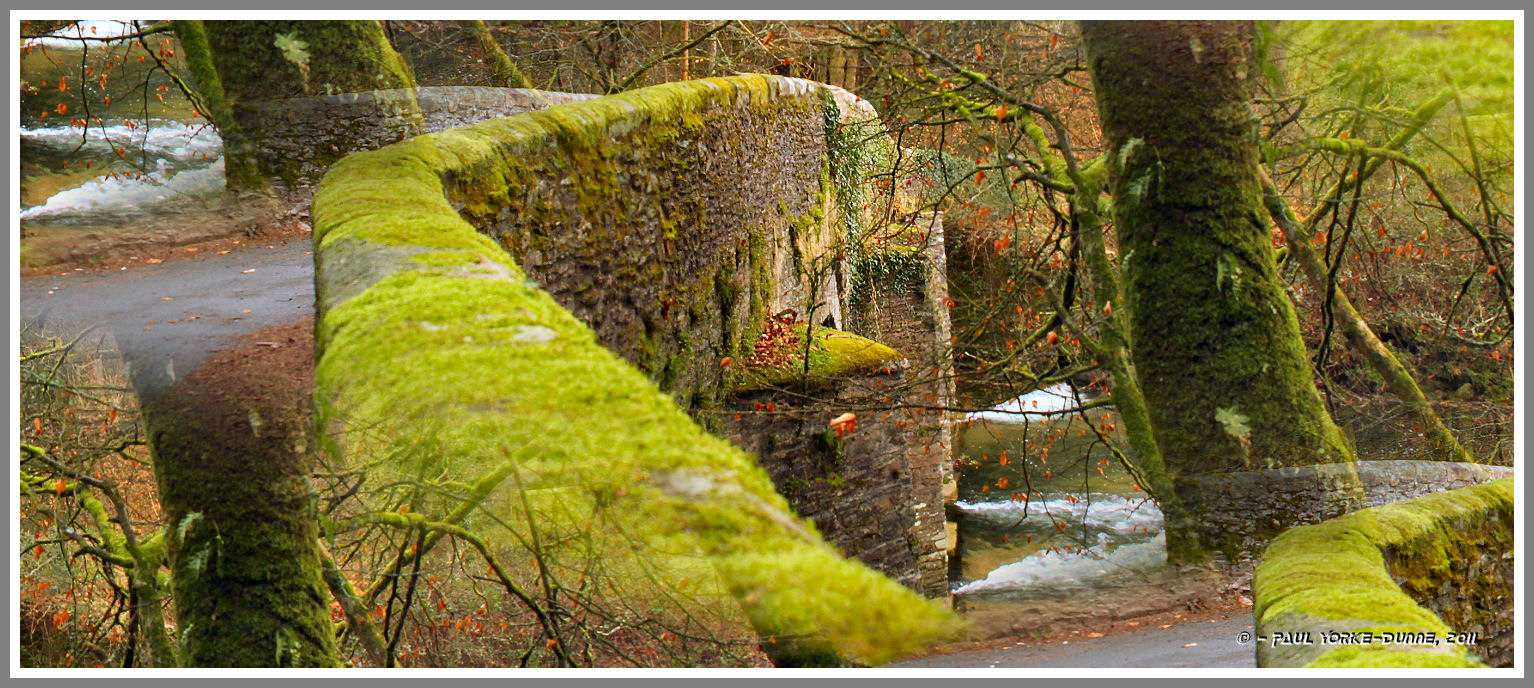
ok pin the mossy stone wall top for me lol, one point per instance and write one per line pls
(1411, 574)
(441, 359)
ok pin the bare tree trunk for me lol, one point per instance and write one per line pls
(502, 69)
(1358, 333)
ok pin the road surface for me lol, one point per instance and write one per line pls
(167, 317)
(1203, 642)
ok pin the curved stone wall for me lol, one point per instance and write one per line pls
(1248, 509)
(671, 220)
(1422, 583)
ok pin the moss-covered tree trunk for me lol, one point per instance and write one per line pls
(1216, 344)
(240, 168)
(502, 69)
(243, 62)
(266, 60)
(241, 522)
(1114, 356)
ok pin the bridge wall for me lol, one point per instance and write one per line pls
(674, 239)
(901, 299)
(1425, 568)
(658, 228)
(1247, 509)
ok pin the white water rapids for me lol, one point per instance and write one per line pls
(162, 163)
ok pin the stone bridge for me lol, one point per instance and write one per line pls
(556, 323)
(551, 325)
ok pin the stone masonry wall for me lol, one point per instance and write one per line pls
(1249, 508)
(1472, 588)
(1421, 583)
(855, 487)
(874, 490)
(673, 241)
(910, 313)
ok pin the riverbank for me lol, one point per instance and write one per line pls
(197, 229)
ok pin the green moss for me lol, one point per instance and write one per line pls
(1342, 570)
(446, 259)
(379, 341)
(833, 354)
(1378, 657)
(831, 444)
(343, 57)
(479, 376)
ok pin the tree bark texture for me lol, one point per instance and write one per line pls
(240, 168)
(243, 528)
(237, 63)
(342, 57)
(1215, 340)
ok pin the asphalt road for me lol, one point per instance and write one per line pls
(166, 317)
(1200, 642)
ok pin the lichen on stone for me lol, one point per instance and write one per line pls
(1354, 573)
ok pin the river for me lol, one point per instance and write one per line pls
(106, 139)
(1044, 508)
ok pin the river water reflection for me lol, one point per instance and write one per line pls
(109, 150)
(1044, 507)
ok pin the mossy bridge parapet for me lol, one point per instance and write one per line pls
(1422, 583)
(525, 307)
